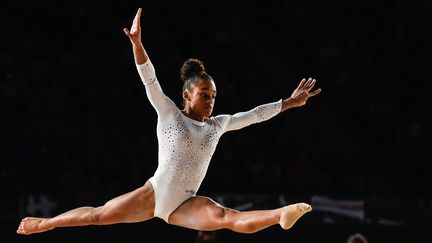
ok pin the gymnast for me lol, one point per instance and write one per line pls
(187, 139)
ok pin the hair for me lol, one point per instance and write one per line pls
(357, 238)
(191, 72)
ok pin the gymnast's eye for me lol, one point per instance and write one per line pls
(205, 95)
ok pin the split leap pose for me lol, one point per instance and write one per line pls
(187, 139)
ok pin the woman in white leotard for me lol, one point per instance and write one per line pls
(187, 139)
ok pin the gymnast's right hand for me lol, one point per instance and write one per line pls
(134, 33)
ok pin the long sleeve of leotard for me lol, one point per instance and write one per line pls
(162, 104)
(242, 119)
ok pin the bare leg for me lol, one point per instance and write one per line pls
(135, 206)
(202, 213)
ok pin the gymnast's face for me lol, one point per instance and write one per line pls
(201, 98)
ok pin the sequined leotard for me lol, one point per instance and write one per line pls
(186, 145)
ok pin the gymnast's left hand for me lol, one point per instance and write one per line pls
(301, 94)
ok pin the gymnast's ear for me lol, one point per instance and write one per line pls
(186, 95)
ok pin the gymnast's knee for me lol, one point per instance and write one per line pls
(95, 216)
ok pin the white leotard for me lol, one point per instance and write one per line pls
(186, 145)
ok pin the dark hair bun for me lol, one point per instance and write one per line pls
(190, 68)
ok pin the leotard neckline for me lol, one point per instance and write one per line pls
(195, 122)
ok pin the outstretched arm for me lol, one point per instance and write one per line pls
(162, 104)
(134, 35)
(267, 111)
(300, 95)
(242, 119)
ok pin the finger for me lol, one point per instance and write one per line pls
(314, 92)
(126, 31)
(307, 84)
(139, 17)
(311, 84)
(134, 22)
(301, 84)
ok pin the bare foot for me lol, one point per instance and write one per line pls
(31, 225)
(291, 213)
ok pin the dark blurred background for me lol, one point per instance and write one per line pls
(77, 128)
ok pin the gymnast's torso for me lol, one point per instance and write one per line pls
(185, 145)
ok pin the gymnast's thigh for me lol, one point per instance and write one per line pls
(135, 206)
